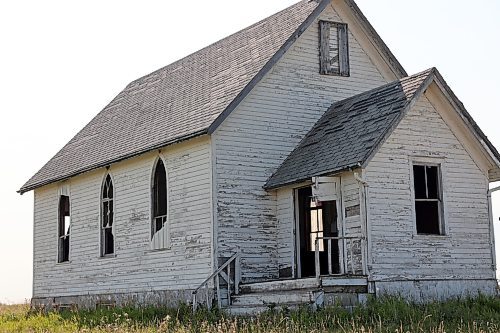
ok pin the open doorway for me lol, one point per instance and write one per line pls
(315, 220)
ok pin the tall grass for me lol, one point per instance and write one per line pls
(393, 315)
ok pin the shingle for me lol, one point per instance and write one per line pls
(346, 134)
(175, 102)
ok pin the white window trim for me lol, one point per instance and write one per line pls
(64, 189)
(101, 252)
(438, 162)
(167, 225)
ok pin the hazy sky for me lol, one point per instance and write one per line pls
(62, 61)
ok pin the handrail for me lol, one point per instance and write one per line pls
(345, 262)
(237, 277)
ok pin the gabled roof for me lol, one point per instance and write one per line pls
(352, 130)
(188, 98)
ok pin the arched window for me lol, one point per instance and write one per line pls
(107, 218)
(159, 238)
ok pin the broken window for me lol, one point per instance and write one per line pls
(159, 223)
(428, 199)
(107, 218)
(64, 228)
(334, 48)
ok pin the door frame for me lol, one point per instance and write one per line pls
(296, 232)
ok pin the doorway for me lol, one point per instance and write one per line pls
(315, 219)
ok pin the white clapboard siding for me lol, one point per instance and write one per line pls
(135, 268)
(259, 134)
(286, 237)
(399, 254)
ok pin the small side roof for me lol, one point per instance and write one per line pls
(352, 130)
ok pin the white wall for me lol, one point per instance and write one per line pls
(398, 253)
(258, 135)
(135, 268)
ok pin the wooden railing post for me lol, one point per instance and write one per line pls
(229, 284)
(351, 243)
(237, 275)
(217, 282)
(330, 270)
(206, 295)
(316, 253)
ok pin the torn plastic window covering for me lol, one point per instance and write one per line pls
(107, 219)
(159, 237)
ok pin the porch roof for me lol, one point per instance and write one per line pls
(352, 130)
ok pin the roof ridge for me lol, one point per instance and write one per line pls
(428, 71)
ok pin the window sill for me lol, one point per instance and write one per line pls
(64, 262)
(108, 256)
(158, 250)
(431, 237)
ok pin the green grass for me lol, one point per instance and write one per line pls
(383, 315)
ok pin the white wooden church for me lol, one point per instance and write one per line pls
(293, 162)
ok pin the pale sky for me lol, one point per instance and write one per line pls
(62, 61)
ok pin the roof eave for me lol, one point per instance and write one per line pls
(471, 124)
(278, 185)
(379, 42)
(34, 186)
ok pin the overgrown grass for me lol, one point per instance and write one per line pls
(382, 315)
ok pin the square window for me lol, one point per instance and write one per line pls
(428, 199)
(334, 49)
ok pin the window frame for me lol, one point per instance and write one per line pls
(166, 223)
(60, 237)
(429, 162)
(325, 30)
(101, 218)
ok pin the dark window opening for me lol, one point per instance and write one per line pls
(334, 48)
(107, 218)
(64, 228)
(428, 199)
(159, 203)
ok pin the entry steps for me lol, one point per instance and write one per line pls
(256, 298)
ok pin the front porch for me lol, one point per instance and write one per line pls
(343, 282)
(346, 291)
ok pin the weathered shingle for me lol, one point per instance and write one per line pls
(176, 102)
(348, 132)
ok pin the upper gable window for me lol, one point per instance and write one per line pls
(64, 228)
(334, 48)
(159, 230)
(428, 199)
(107, 218)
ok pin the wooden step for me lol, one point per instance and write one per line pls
(281, 285)
(281, 297)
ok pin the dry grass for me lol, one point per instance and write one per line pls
(393, 315)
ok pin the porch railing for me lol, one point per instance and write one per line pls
(232, 279)
(347, 255)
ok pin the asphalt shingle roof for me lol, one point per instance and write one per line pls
(347, 134)
(176, 102)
